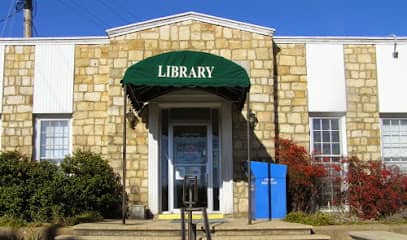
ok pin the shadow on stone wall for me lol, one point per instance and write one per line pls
(258, 151)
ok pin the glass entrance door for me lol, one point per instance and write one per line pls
(189, 148)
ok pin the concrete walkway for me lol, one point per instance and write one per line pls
(377, 235)
(340, 232)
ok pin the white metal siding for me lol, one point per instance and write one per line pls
(2, 56)
(326, 78)
(392, 78)
(53, 81)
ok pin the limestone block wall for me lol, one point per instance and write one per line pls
(362, 117)
(292, 93)
(253, 51)
(17, 99)
(90, 107)
(97, 121)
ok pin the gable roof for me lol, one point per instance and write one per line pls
(114, 32)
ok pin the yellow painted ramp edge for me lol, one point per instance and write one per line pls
(211, 216)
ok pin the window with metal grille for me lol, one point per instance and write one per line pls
(327, 150)
(394, 141)
(53, 139)
(326, 139)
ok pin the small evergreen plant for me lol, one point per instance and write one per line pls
(42, 191)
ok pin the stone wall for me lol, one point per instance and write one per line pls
(18, 99)
(362, 117)
(292, 93)
(98, 97)
(91, 86)
(252, 51)
(97, 120)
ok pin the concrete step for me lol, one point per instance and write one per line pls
(260, 232)
(196, 216)
(277, 237)
(177, 232)
(128, 232)
(167, 230)
(226, 229)
(66, 237)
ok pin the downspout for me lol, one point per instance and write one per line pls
(276, 50)
(124, 209)
(249, 174)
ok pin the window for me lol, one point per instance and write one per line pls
(327, 146)
(326, 139)
(394, 141)
(52, 139)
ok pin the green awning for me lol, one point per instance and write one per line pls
(160, 74)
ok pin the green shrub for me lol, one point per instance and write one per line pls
(315, 219)
(11, 221)
(12, 200)
(43, 191)
(85, 217)
(296, 217)
(26, 188)
(90, 185)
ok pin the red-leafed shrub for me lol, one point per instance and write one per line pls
(303, 177)
(374, 190)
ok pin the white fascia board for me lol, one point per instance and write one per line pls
(54, 40)
(337, 39)
(114, 32)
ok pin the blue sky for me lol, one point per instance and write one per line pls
(289, 17)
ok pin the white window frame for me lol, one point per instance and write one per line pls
(342, 134)
(342, 154)
(401, 164)
(39, 120)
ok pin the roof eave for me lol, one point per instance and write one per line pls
(340, 39)
(118, 31)
(54, 40)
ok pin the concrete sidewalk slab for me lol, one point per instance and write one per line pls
(376, 235)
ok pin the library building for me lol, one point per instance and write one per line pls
(179, 95)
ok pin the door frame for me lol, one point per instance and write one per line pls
(209, 164)
(186, 99)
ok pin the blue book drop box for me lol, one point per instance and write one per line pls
(268, 189)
